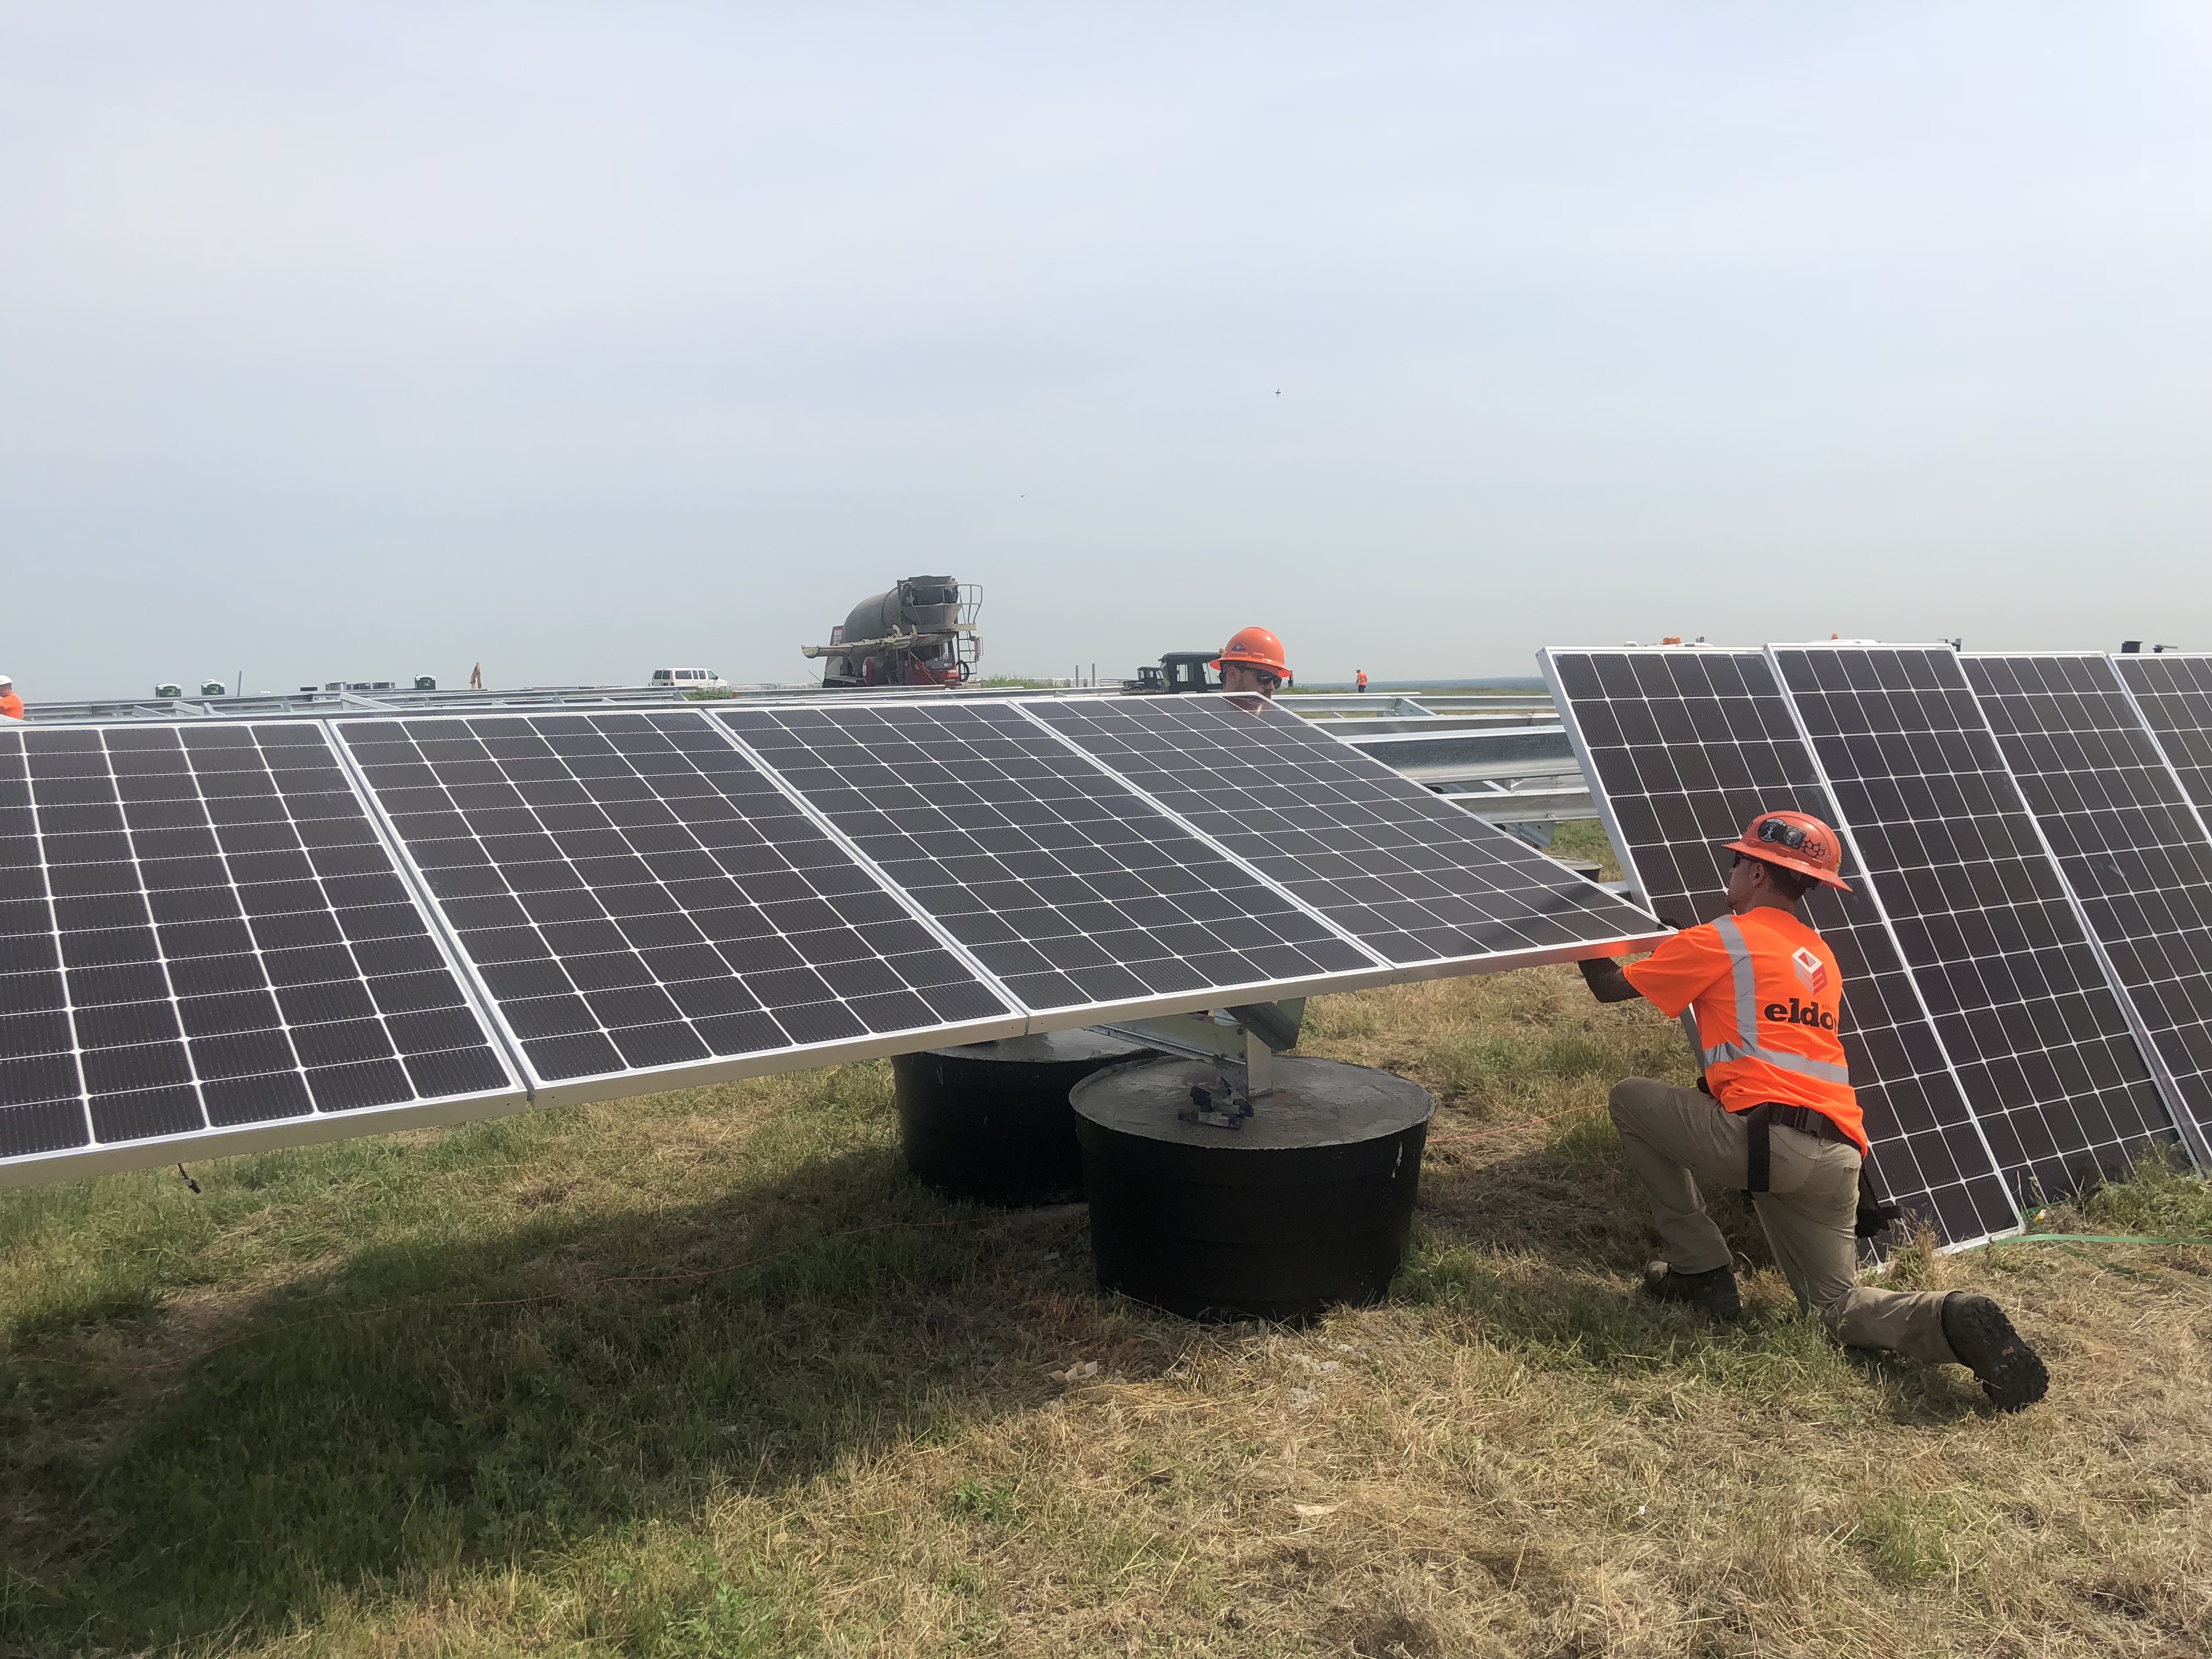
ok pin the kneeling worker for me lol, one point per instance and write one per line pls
(1781, 1121)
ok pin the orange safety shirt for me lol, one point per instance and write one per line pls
(1767, 996)
(11, 706)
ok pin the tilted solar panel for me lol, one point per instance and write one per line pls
(449, 914)
(1684, 748)
(1410, 876)
(202, 934)
(638, 899)
(2035, 1031)
(2129, 842)
(2174, 689)
(1074, 892)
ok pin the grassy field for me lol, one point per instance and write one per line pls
(707, 1375)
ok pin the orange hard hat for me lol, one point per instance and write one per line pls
(1257, 646)
(1795, 841)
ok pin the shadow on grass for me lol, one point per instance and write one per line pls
(1570, 1201)
(228, 1499)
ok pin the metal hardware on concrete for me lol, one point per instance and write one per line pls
(1220, 1034)
(1259, 1065)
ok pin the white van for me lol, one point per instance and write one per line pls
(689, 679)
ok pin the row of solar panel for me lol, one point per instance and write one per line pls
(2028, 946)
(219, 935)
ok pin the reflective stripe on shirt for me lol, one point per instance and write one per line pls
(1746, 1018)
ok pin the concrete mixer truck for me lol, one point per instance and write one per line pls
(922, 632)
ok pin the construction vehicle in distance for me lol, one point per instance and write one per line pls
(920, 633)
(1177, 671)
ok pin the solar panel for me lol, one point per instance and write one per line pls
(2130, 844)
(221, 933)
(638, 898)
(1408, 874)
(2035, 1031)
(202, 936)
(2173, 691)
(1683, 749)
(1069, 888)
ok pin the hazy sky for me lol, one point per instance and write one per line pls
(373, 340)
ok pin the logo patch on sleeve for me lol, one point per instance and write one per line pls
(1811, 972)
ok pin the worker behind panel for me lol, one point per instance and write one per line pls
(1774, 1116)
(1252, 662)
(11, 706)
(1359, 677)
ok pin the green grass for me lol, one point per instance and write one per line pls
(1909, 1540)
(707, 1374)
(1585, 838)
(383, 1409)
(2160, 1202)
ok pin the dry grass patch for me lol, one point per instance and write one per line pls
(888, 1439)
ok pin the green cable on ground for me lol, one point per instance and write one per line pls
(2084, 1238)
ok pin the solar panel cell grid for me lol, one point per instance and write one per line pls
(1066, 886)
(1685, 748)
(2040, 1041)
(637, 896)
(200, 929)
(1412, 876)
(1674, 738)
(2131, 846)
(2174, 692)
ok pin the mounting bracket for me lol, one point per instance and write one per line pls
(1242, 1042)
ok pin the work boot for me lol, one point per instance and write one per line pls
(1712, 1292)
(2013, 1375)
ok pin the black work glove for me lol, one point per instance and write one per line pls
(1606, 982)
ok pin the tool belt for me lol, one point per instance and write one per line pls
(1761, 1121)
(1874, 1218)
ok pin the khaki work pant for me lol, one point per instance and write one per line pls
(1677, 1138)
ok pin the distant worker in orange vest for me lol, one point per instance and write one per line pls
(1774, 1116)
(1252, 661)
(11, 706)
(1361, 676)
